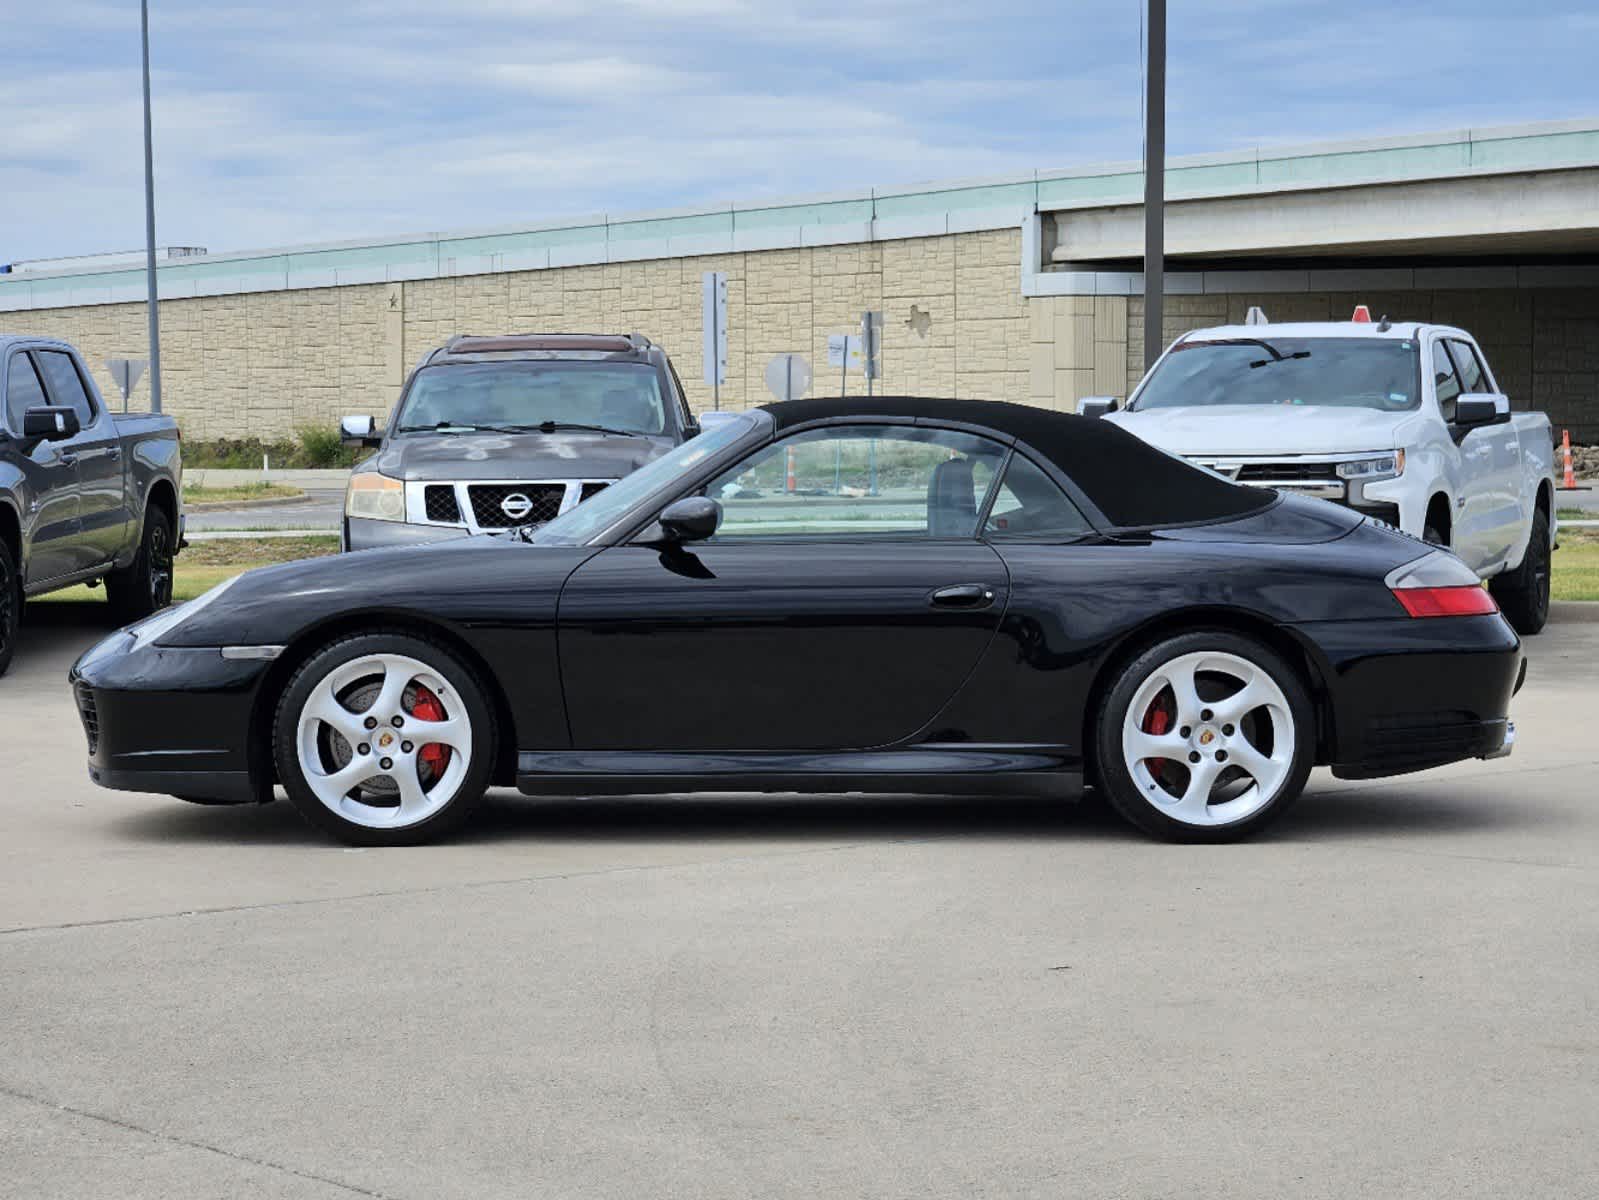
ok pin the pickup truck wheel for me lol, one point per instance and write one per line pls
(1205, 737)
(10, 607)
(1523, 594)
(145, 586)
(1432, 537)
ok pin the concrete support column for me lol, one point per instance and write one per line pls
(1078, 348)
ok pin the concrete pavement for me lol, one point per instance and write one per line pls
(1391, 996)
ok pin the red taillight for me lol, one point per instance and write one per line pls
(1469, 600)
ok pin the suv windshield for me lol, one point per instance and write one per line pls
(1380, 373)
(579, 525)
(624, 397)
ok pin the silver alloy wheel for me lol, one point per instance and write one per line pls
(1224, 723)
(388, 732)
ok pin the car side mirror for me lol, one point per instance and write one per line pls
(1482, 408)
(691, 519)
(1098, 406)
(359, 431)
(49, 423)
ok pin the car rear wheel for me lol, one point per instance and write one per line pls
(1205, 737)
(10, 606)
(1523, 594)
(385, 739)
(145, 585)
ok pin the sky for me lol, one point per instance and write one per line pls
(301, 121)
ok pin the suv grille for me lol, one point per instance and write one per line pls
(488, 501)
(89, 712)
(592, 489)
(440, 503)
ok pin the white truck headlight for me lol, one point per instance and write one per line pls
(1379, 466)
(375, 497)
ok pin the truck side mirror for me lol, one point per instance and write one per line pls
(49, 423)
(1482, 408)
(1098, 406)
(359, 431)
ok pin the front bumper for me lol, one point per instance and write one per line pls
(1407, 695)
(172, 720)
(362, 534)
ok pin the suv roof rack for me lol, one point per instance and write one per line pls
(468, 343)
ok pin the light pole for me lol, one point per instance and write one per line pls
(149, 220)
(1154, 183)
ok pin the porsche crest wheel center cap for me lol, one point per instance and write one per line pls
(1207, 737)
(386, 740)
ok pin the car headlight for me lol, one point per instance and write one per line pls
(375, 497)
(1381, 466)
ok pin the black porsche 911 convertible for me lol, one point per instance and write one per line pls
(899, 595)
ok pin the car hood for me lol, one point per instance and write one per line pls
(1253, 429)
(462, 582)
(569, 454)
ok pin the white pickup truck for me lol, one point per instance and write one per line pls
(1403, 422)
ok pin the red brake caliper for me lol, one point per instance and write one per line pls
(426, 707)
(1157, 721)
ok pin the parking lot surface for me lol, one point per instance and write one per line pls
(1390, 995)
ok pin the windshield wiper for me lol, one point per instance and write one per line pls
(461, 427)
(556, 426)
(1277, 356)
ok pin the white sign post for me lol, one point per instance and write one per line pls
(713, 319)
(788, 376)
(126, 372)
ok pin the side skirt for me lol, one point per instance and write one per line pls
(957, 770)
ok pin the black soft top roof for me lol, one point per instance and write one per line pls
(1127, 479)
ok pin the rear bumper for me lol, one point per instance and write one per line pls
(170, 720)
(1432, 692)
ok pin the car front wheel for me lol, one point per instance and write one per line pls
(1205, 737)
(10, 606)
(385, 739)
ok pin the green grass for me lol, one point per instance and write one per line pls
(244, 491)
(205, 564)
(315, 446)
(1576, 514)
(1576, 567)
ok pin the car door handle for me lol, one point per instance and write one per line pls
(963, 595)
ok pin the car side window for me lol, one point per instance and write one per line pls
(859, 481)
(1030, 507)
(66, 386)
(1472, 377)
(23, 390)
(1445, 380)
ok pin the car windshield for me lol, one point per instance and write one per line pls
(1380, 373)
(578, 526)
(520, 395)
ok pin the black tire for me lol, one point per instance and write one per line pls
(1116, 778)
(145, 585)
(1432, 537)
(1523, 594)
(469, 691)
(10, 607)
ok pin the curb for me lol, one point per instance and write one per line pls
(200, 506)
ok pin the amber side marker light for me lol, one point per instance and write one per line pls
(1440, 585)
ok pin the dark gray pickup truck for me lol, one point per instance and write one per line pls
(85, 495)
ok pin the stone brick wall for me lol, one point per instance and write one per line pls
(955, 323)
(267, 364)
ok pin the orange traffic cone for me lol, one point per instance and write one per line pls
(790, 488)
(1568, 482)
